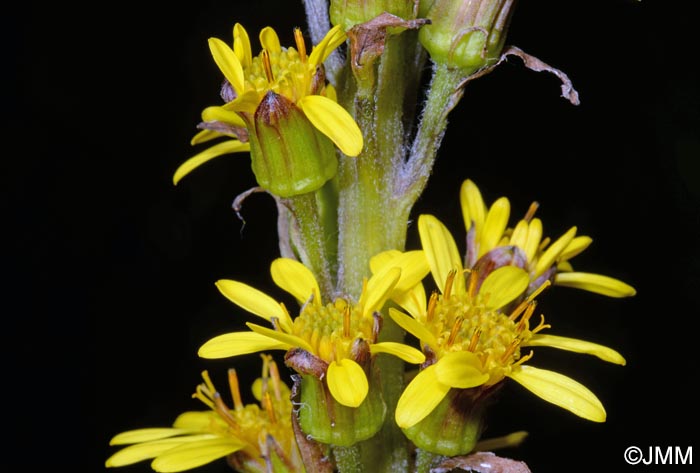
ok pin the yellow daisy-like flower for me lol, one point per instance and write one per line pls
(472, 342)
(332, 341)
(286, 73)
(490, 242)
(254, 437)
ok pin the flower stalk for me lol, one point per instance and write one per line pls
(344, 137)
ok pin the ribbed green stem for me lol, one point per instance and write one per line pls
(424, 461)
(313, 237)
(349, 459)
(443, 94)
(370, 218)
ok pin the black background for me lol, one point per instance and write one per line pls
(110, 269)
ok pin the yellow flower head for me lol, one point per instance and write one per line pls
(491, 242)
(329, 340)
(290, 74)
(472, 340)
(254, 437)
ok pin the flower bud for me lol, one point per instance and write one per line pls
(349, 13)
(454, 426)
(289, 155)
(465, 34)
(327, 421)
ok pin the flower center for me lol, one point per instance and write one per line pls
(462, 322)
(332, 328)
(286, 72)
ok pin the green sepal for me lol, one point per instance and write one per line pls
(453, 427)
(465, 35)
(289, 156)
(349, 13)
(326, 421)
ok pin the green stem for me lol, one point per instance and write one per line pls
(313, 239)
(348, 459)
(444, 93)
(424, 461)
(370, 218)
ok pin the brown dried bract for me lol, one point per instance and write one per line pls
(481, 462)
(367, 39)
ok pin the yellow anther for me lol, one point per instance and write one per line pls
(448, 284)
(346, 322)
(544, 243)
(301, 46)
(269, 408)
(432, 302)
(475, 339)
(522, 325)
(510, 350)
(455, 330)
(539, 290)
(267, 66)
(473, 278)
(235, 389)
(275, 376)
(222, 409)
(531, 211)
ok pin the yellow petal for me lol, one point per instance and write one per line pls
(246, 102)
(144, 451)
(192, 455)
(562, 391)
(227, 147)
(330, 92)
(412, 301)
(441, 251)
(507, 441)
(575, 247)
(241, 45)
(460, 369)
(597, 283)
(381, 259)
(238, 343)
(254, 301)
(564, 266)
(503, 285)
(552, 253)
(473, 207)
(221, 114)
(420, 397)
(205, 135)
(413, 327)
(285, 338)
(519, 236)
(578, 346)
(146, 435)
(414, 267)
(198, 420)
(347, 382)
(495, 224)
(270, 41)
(534, 237)
(406, 353)
(296, 279)
(334, 38)
(228, 63)
(333, 121)
(378, 289)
